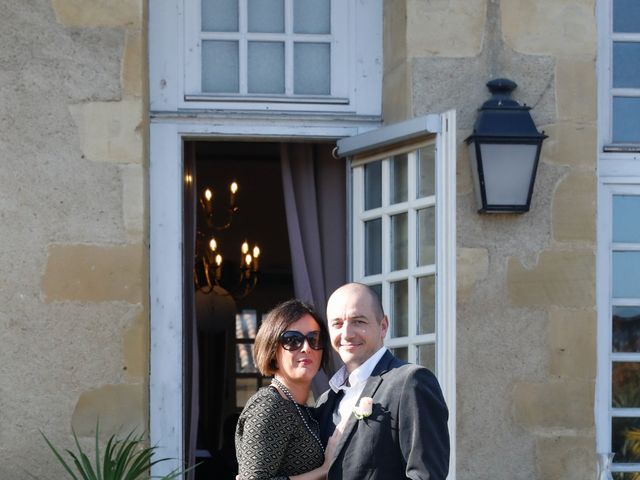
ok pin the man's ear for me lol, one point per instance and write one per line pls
(384, 324)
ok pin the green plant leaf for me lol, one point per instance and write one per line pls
(58, 456)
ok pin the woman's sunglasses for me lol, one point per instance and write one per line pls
(293, 340)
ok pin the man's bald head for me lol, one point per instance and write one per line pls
(365, 292)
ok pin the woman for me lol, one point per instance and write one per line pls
(277, 436)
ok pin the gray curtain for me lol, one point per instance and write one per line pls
(315, 202)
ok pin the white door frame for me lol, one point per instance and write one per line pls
(165, 258)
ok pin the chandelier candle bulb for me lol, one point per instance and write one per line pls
(213, 245)
(256, 254)
(234, 189)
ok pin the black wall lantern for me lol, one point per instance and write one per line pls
(504, 150)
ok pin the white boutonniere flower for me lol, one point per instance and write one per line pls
(364, 408)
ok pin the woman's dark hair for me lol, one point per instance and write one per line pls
(278, 321)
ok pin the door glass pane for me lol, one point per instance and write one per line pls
(372, 185)
(626, 119)
(426, 236)
(625, 439)
(626, 218)
(312, 68)
(625, 385)
(626, 16)
(312, 16)
(219, 15)
(377, 288)
(401, 352)
(373, 247)
(399, 245)
(399, 178)
(399, 309)
(426, 171)
(626, 329)
(626, 274)
(626, 65)
(266, 16)
(266, 67)
(427, 356)
(220, 64)
(427, 304)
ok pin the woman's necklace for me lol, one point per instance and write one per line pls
(289, 396)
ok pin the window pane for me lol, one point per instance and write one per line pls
(625, 385)
(427, 356)
(219, 15)
(626, 329)
(427, 171)
(378, 289)
(624, 476)
(427, 236)
(312, 16)
(625, 432)
(312, 68)
(400, 309)
(626, 119)
(626, 218)
(220, 66)
(266, 67)
(266, 16)
(626, 274)
(626, 65)
(401, 352)
(427, 305)
(626, 16)
(373, 247)
(244, 358)
(399, 178)
(399, 245)
(372, 185)
(246, 324)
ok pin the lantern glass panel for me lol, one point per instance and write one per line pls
(507, 170)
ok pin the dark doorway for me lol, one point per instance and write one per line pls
(228, 313)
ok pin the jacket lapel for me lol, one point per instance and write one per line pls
(369, 390)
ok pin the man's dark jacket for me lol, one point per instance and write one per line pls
(406, 435)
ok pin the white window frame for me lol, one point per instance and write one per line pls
(410, 136)
(604, 411)
(174, 39)
(606, 92)
(618, 173)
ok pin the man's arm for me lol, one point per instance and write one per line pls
(423, 432)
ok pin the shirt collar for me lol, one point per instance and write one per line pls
(358, 376)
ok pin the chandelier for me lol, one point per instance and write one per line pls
(209, 258)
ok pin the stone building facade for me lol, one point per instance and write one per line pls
(77, 96)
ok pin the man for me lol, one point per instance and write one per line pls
(405, 435)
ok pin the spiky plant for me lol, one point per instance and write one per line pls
(123, 459)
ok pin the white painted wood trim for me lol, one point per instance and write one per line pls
(446, 280)
(165, 384)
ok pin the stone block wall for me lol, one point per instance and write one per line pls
(526, 283)
(73, 289)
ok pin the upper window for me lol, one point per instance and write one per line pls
(305, 55)
(624, 82)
